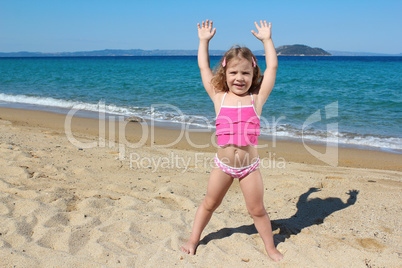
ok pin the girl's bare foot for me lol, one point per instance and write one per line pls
(189, 248)
(274, 254)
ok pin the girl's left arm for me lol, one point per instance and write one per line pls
(268, 81)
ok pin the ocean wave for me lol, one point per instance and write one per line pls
(65, 104)
(392, 143)
(335, 137)
(166, 113)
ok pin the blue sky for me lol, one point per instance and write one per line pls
(56, 25)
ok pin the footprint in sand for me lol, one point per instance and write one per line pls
(55, 240)
(371, 244)
(78, 240)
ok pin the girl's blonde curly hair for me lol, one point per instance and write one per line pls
(219, 79)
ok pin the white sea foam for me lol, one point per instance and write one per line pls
(392, 143)
(59, 103)
(201, 122)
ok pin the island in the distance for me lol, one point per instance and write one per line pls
(301, 50)
(287, 50)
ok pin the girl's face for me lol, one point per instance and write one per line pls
(239, 76)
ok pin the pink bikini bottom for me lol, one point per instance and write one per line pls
(237, 173)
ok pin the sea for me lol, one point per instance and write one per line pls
(352, 101)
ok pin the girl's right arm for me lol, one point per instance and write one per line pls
(205, 34)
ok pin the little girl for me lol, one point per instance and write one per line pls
(238, 94)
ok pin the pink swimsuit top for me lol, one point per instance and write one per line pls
(237, 125)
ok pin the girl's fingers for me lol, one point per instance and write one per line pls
(205, 24)
(214, 31)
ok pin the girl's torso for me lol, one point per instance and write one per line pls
(231, 154)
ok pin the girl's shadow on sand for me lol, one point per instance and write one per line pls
(309, 212)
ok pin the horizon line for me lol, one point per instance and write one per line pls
(187, 50)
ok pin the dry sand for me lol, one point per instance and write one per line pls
(68, 206)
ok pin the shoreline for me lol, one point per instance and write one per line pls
(286, 150)
(283, 131)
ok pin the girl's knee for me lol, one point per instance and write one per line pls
(211, 204)
(257, 211)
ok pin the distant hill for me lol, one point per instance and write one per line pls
(295, 50)
(104, 53)
(348, 53)
(300, 50)
(288, 50)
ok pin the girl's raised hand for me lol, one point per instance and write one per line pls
(264, 31)
(205, 31)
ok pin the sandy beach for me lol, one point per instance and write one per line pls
(93, 199)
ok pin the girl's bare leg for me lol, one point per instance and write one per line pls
(218, 184)
(253, 191)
